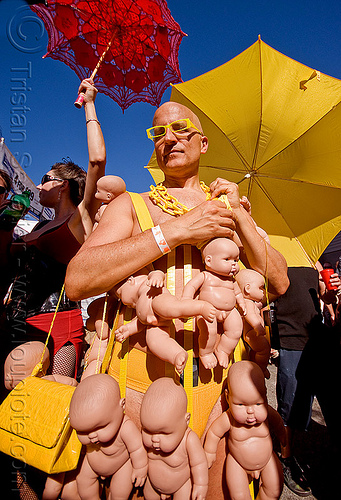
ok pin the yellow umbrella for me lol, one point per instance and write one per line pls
(274, 127)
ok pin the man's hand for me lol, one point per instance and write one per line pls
(208, 220)
(222, 186)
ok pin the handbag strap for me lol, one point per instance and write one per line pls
(39, 367)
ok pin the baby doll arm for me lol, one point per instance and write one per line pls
(239, 298)
(132, 438)
(253, 317)
(125, 331)
(198, 465)
(214, 434)
(192, 286)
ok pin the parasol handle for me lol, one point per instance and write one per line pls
(80, 99)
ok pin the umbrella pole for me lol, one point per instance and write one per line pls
(80, 99)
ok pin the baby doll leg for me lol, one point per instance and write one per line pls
(87, 482)
(207, 340)
(233, 327)
(261, 350)
(168, 306)
(166, 348)
(70, 490)
(53, 486)
(148, 491)
(237, 480)
(184, 493)
(120, 484)
(271, 484)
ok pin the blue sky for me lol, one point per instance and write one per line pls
(308, 31)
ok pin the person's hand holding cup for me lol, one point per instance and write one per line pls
(327, 274)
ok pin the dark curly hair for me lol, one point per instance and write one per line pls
(75, 175)
(7, 180)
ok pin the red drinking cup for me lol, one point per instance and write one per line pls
(326, 273)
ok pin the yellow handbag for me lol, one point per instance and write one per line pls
(35, 426)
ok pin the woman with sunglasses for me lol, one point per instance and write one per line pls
(41, 257)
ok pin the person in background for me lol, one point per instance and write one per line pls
(38, 260)
(306, 363)
(5, 239)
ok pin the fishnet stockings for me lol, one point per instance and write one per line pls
(64, 361)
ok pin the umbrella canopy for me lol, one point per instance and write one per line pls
(274, 127)
(139, 37)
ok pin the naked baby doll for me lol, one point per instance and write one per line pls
(155, 308)
(250, 446)
(108, 188)
(113, 443)
(21, 361)
(218, 286)
(176, 460)
(252, 286)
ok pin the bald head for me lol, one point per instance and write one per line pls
(164, 396)
(94, 392)
(20, 362)
(178, 109)
(245, 374)
(246, 276)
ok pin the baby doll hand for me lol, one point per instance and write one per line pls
(211, 458)
(199, 492)
(156, 279)
(139, 476)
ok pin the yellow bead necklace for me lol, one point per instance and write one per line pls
(168, 203)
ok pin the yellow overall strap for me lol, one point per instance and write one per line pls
(188, 336)
(145, 222)
(169, 368)
(39, 367)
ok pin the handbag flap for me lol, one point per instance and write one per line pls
(37, 410)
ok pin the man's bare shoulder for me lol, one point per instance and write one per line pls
(117, 222)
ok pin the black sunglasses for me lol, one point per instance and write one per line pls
(3, 190)
(48, 178)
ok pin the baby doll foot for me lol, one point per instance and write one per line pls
(208, 360)
(121, 333)
(223, 358)
(180, 361)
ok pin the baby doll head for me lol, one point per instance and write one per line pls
(164, 416)
(246, 393)
(130, 290)
(21, 361)
(251, 284)
(221, 256)
(97, 409)
(109, 187)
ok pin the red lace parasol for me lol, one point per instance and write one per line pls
(132, 44)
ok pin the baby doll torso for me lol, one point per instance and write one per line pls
(219, 291)
(251, 446)
(169, 471)
(107, 458)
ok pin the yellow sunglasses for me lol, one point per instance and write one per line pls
(179, 127)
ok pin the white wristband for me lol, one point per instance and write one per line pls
(160, 239)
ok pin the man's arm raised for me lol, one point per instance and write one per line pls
(116, 249)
